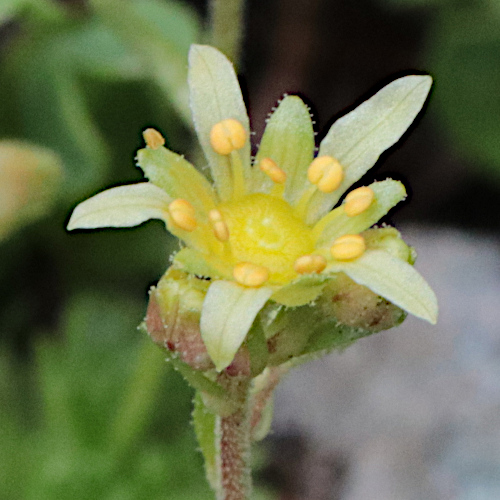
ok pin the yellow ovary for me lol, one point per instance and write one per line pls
(264, 231)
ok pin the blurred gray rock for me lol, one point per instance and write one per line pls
(414, 412)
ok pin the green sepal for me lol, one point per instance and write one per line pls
(389, 239)
(193, 262)
(388, 193)
(301, 291)
(257, 348)
(215, 95)
(289, 333)
(289, 141)
(205, 427)
(198, 380)
(177, 177)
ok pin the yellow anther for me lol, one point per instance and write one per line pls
(326, 173)
(252, 275)
(153, 138)
(357, 201)
(270, 168)
(308, 264)
(348, 247)
(182, 214)
(221, 230)
(227, 135)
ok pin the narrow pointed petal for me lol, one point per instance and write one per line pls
(395, 280)
(336, 223)
(360, 137)
(177, 177)
(289, 141)
(215, 95)
(226, 317)
(122, 206)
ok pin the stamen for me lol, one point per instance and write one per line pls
(220, 228)
(308, 264)
(326, 173)
(183, 214)
(357, 201)
(153, 138)
(270, 168)
(227, 136)
(348, 247)
(251, 275)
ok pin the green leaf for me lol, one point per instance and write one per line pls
(227, 315)
(95, 50)
(465, 58)
(388, 193)
(395, 280)
(215, 95)
(177, 177)
(289, 141)
(205, 427)
(358, 139)
(122, 206)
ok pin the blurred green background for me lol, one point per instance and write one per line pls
(88, 408)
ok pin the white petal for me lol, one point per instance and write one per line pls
(215, 95)
(226, 317)
(360, 137)
(395, 280)
(122, 206)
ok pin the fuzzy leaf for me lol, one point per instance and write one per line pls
(227, 315)
(289, 141)
(122, 206)
(215, 95)
(395, 280)
(388, 193)
(360, 137)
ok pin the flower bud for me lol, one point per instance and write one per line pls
(173, 322)
(356, 306)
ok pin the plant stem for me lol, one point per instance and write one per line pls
(234, 446)
(226, 26)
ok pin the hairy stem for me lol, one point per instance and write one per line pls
(234, 447)
(226, 23)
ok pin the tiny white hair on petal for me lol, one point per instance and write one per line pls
(122, 206)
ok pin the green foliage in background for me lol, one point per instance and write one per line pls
(96, 413)
(463, 55)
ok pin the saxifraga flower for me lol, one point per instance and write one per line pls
(266, 231)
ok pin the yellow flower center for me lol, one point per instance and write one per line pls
(264, 231)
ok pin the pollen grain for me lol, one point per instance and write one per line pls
(182, 214)
(227, 136)
(357, 201)
(308, 264)
(251, 275)
(348, 247)
(153, 138)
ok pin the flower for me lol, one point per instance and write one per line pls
(267, 231)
